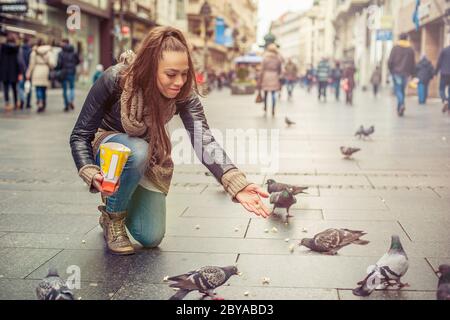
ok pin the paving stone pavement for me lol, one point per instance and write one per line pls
(398, 184)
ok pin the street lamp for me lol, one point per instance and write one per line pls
(205, 13)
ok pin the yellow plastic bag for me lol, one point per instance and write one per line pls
(413, 84)
(113, 157)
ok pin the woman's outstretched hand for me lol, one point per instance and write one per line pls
(250, 200)
(97, 183)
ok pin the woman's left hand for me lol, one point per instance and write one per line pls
(250, 200)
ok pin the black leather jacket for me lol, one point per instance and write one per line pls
(102, 110)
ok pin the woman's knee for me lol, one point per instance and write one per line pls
(151, 241)
(139, 151)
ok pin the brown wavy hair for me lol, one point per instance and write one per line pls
(143, 75)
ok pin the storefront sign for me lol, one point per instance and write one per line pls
(385, 35)
(13, 7)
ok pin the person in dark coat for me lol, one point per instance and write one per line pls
(375, 80)
(336, 76)
(402, 65)
(24, 62)
(67, 63)
(9, 69)
(424, 72)
(443, 67)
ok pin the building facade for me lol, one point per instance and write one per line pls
(230, 33)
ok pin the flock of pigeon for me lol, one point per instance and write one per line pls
(362, 133)
(386, 273)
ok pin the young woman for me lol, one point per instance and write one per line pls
(130, 104)
(38, 71)
(269, 79)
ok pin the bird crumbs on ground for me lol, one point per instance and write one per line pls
(286, 240)
(304, 230)
(166, 278)
(274, 230)
(83, 241)
(266, 231)
(246, 293)
(291, 248)
(265, 280)
(110, 294)
(197, 227)
(236, 229)
(93, 284)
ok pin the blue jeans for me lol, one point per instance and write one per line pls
(274, 100)
(41, 94)
(68, 95)
(422, 91)
(290, 87)
(400, 89)
(146, 218)
(444, 85)
(337, 87)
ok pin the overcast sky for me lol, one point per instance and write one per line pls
(270, 10)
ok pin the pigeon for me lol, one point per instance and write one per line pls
(289, 122)
(284, 199)
(273, 186)
(387, 272)
(369, 132)
(205, 280)
(348, 152)
(53, 287)
(443, 291)
(332, 240)
(360, 132)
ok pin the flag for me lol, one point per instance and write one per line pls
(415, 18)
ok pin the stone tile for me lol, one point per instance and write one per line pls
(65, 224)
(427, 231)
(95, 265)
(207, 227)
(345, 191)
(361, 215)
(149, 291)
(153, 266)
(436, 262)
(443, 192)
(318, 180)
(50, 208)
(410, 181)
(376, 230)
(340, 203)
(19, 262)
(19, 289)
(227, 245)
(390, 295)
(92, 240)
(321, 272)
(240, 212)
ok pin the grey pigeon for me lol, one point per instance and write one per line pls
(443, 291)
(348, 152)
(53, 287)
(360, 132)
(332, 240)
(387, 272)
(369, 132)
(204, 280)
(289, 122)
(284, 199)
(273, 186)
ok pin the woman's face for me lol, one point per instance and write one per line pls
(172, 73)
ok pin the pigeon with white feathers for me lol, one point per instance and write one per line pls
(387, 272)
(53, 287)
